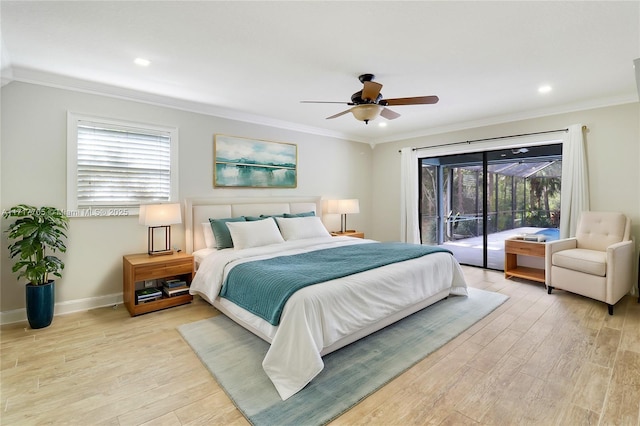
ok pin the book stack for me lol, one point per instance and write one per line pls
(148, 295)
(539, 238)
(175, 287)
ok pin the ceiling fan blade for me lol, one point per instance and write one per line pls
(418, 100)
(326, 102)
(339, 114)
(388, 114)
(371, 90)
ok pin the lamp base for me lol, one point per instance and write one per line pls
(160, 252)
(167, 241)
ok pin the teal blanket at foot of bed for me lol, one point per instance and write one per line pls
(264, 286)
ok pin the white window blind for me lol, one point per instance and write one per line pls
(119, 165)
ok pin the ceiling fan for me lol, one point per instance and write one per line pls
(368, 103)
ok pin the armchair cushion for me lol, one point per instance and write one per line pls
(588, 261)
(598, 230)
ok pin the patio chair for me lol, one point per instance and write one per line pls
(597, 262)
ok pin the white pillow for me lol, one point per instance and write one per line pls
(255, 233)
(209, 238)
(298, 228)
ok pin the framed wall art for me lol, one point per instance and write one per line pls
(253, 163)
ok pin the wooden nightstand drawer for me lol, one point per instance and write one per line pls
(152, 271)
(524, 247)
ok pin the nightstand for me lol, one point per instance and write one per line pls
(354, 234)
(140, 268)
(513, 248)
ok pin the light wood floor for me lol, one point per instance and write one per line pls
(538, 359)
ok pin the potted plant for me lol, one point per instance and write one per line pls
(37, 231)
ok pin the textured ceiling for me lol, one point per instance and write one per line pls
(258, 60)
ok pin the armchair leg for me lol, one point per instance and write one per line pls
(610, 309)
(549, 289)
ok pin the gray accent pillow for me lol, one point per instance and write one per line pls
(221, 231)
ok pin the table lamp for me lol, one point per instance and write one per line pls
(343, 208)
(160, 217)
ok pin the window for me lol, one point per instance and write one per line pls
(114, 166)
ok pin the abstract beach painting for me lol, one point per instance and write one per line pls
(253, 163)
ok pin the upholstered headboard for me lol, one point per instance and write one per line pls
(200, 210)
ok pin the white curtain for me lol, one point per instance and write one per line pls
(409, 230)
(574, 197)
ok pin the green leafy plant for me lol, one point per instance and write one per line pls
(538, 218)
(37, 231)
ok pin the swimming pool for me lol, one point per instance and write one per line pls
(550, 233)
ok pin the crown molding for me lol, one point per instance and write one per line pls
(58, 81)
(509, 118)
(29, 75)
(636, 66)
(6, 75)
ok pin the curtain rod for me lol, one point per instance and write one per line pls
(495, 138)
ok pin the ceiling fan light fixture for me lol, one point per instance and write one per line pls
(368, 103)
(366, 112)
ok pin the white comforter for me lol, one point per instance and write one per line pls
(317, 316)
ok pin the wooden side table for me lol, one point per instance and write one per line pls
(354, 234)
(138, 268)
(513, 248)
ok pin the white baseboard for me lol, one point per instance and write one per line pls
(63, 308)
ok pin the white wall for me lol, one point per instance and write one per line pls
(613, 151)
(33, 170)
(33, 160)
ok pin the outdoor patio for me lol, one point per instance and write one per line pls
(468, 251)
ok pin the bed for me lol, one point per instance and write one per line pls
(318, 318)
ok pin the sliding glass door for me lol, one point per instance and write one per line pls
(452, 204)
(471, 202)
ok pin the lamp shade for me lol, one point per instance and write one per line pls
(343, 206)
(160, 214)
(366, 112)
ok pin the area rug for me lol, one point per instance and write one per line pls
(234, 357)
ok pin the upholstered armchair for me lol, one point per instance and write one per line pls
(597, 262)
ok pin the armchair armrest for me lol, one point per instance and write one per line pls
(620, 264)
(553, 247)
(564, 244)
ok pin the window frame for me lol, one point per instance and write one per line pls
(73, 209)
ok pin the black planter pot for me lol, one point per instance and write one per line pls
(40, 301)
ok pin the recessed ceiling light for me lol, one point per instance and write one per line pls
(382, 124)
(142, 62)
(544, 89)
